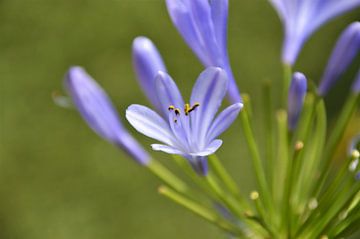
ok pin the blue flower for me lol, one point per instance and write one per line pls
(297, 92)
(190, 129)
(203, 25)
(97, 110)
(345, 50)
(301, 18)
(147, 62)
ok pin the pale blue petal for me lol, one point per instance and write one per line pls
(224, 120)
(210, 149)
(147, 62)
(166, 149)
(167, 93)
(209, 91)
(97, 110)
(149, 123)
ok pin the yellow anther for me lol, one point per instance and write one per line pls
(171, 107)
(188, 109)
(177, 111)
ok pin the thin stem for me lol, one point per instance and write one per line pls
(199, 210)
(336, 135)
(256, 161)
(287, 71)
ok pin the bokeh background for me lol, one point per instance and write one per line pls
(57, 178)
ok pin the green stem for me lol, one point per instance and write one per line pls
(287, 71)
(167, 177)
(265, 196)
(199, 210)
(269, 129)
(335, 137)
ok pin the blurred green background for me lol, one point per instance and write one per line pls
(57, 178)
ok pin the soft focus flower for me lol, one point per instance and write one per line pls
(147, 62)
(356, 85)
(301, 18)
(189, 129)
(203, 25)
(97, 110)
(345, 50)
(297, 92)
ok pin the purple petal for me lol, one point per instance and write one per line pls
(203, 21)
(166, 149)
(219, 14)
(199, 164)
(297, 92)
(167, 93)
(302, 18)
(345, 50)
(224, 120)
(147, 62)
(181, 16)
(99, 113)
(149, 123)
(209, 91)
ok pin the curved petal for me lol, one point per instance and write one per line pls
(149, 123)
(147, 62)
(224, 120)
(93, 104)
(209, 91)
(166, 149)
(181, 17)
(345, 50)
(99, 113)
(167, 93)
(210, 149)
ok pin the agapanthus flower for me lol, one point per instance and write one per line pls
(189, 129)
(301, 18)
(147, 62)
(345, 50)
(203, 25)
(297, 92)
(97, 110)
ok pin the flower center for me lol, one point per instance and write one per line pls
(187, 108)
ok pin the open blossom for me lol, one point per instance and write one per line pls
(97, 110)
(345, 50)
(203, 25)
(301, 18)
(297, 92)
(147, 62)
(189, 129)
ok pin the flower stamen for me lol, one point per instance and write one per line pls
(188, 109)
